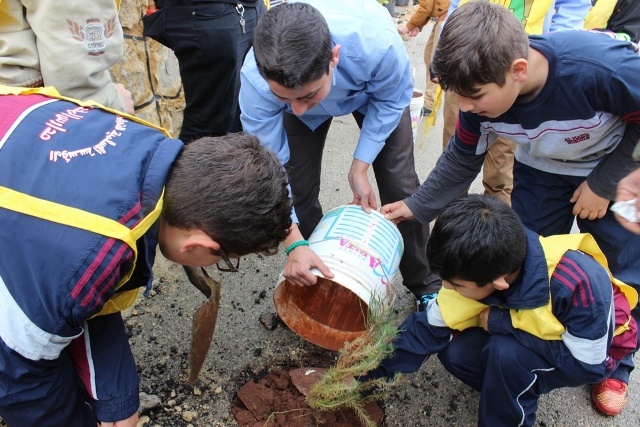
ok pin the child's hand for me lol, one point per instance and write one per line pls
(414, 32)
(127, 98)
(629, 189)
(484, 318)
(396, 212)
(403, 29)
(588, 205)
(360, 187)
(301, 260)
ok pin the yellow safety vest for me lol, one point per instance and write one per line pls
(73, 217)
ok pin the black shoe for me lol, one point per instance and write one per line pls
(426, 111)
(423, 300)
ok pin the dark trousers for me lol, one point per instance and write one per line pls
(541, 200)
(396, 177)
(210, 45)
(509, 376)
(53, 393)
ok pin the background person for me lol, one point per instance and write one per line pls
(435, 10)
(68, 45)
(210, 38)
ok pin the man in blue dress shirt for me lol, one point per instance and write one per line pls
(321, 59)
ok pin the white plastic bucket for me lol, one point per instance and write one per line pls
(415, 109)
(363, 251)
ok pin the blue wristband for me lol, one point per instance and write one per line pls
(294, 245)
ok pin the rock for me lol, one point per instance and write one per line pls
(196, 391)
(189, 416)
(304, 378)
(218, 390)
(269, 320)
(148, 402)
(142, 421)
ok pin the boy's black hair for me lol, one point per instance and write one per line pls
(477, 238)
(292, 45)
(477, 46)
(232, 188)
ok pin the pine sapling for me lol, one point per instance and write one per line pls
(339, 387)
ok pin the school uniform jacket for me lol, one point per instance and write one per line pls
(574, 335)
(63, 169)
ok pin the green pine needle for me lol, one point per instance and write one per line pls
(338, 388)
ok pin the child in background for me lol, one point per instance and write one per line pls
(427, 10)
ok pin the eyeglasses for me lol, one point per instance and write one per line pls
(230, 268)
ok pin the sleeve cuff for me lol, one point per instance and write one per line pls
(367, 150)
(119, 408)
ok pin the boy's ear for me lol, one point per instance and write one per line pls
(198, 238)
(520, 69)
(335, 55)
(501, 284)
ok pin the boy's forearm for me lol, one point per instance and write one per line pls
(453, 174)
(417, 340)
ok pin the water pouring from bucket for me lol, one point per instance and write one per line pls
(363, 251)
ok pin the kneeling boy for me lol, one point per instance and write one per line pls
(519, 315)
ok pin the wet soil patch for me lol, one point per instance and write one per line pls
(278, 400)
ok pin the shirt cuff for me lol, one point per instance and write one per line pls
(367, 150)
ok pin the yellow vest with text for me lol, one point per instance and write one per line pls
(73, 217)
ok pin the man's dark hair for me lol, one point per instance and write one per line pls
(477, 45)
(292, 45)
(477, 238)
(233, 189)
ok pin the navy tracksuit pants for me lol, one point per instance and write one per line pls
(509, 376)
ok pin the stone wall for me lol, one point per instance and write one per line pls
(150, 71)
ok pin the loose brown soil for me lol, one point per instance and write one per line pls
(278, 400)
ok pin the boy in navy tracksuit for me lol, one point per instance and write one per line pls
(570, 100)
(519, 315)
(85, 198)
